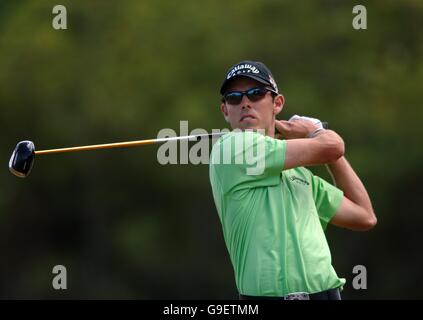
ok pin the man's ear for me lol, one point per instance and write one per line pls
(224, 110)
(278, 104)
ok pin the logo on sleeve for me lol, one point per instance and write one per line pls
(299, 180)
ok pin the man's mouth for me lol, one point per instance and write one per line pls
(247, 117)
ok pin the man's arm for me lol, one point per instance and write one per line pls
(325, 147)
(356, 211)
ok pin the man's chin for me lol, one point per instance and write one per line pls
(248, 125)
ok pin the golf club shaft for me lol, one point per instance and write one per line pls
(127, 143)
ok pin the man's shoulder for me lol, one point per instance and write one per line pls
(227, 136)
(233, 141)
(242, 138)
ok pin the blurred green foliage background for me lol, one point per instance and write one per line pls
(127, 227)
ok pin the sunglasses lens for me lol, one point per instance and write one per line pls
(233, 97)
(256, 94)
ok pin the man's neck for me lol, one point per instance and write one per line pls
(270, 132)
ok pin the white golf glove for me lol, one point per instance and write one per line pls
(317, 122)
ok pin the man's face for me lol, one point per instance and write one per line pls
(248, 114)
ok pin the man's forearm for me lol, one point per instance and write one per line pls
(347, 180)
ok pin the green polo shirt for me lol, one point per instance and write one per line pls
(273, 220)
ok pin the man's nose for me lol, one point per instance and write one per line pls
(245, 103)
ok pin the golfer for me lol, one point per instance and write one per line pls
(274, 217)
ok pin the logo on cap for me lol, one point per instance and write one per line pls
(242, 68)
(273, 83)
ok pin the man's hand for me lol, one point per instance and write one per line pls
(297, 127)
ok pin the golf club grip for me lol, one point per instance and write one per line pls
(325, 125)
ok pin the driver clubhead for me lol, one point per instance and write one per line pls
(22, 159)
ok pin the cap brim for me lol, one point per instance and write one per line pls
(251, 76)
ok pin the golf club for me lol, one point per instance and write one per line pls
(22, 159)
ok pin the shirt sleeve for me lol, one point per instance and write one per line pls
(327, 199)
(248, 159)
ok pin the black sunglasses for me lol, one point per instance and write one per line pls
(253, 94)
